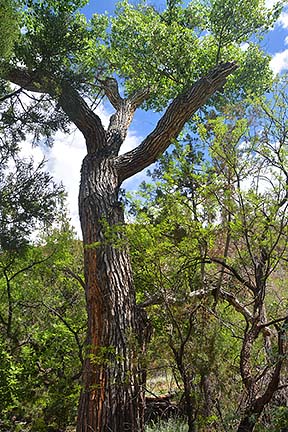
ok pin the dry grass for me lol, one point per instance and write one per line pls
(169, 426)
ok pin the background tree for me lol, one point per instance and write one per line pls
(28, 200)
(43, 352)
(69, 60)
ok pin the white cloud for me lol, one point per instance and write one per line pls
(270, 3)
(27, 150)
(132, 183)
(279, 62)
(132, 140)
(244, 46)
(283, 20)
(63, 161)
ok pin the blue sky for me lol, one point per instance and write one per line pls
(64, 159)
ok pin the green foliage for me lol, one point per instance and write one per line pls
(9, 385)
(43, 321)
(9, 28)
(200, 35)
(236, 21)
(280, 418)
(28, 199)
(59, 42)
(198, 203)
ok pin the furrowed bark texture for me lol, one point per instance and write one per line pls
(112, 398)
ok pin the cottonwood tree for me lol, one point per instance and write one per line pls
(175, 59)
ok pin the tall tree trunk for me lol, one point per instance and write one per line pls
(111, 398)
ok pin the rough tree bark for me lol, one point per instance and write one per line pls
(112, 395)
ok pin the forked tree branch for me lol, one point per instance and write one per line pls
(111, 90)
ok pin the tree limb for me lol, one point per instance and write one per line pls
(74, 275)
(70, 101)
(69, 327)
(111, 90)
(233, 272)
(30, 266)
(125, 109)
(170, 125)
(10, 95)
(233, 301)
(273, 385)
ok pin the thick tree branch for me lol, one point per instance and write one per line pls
(83, 117)
(27, 80)
(125, 109)
(273, 322)
(70, 101)
(118, 126)
(139, 97)
(170, 125)
(111, 90)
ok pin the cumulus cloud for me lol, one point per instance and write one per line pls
(279, 62)
(132, 140)
(270, 3)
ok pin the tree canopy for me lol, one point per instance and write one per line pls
(9, 27)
